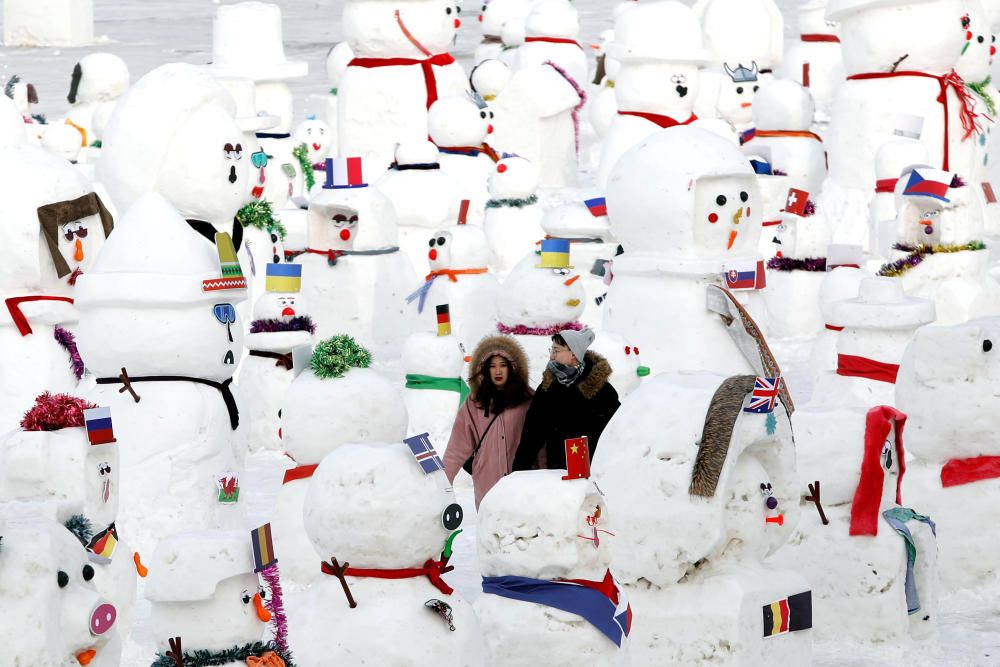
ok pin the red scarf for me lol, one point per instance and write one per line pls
(965, 471)
(868, 494)
(452, 273)
(784, 133)
(473, 151)
(834, 327)
(427, 65)
(949, 80)
(14, 308)
(886, 185)
(659, 119)
(849, 365)
(330, 254)
(815, 37)
(299, 472)
(554, 40)
(432, 569)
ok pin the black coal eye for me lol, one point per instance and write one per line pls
(263, 593)
(431, 243)
(721, 200)
(756, 88)
(744, 196)
(491, 114)
(274, 238)
(458, 10)
(88, 572)
(482, 114)
(440, 240)
(246, 598)
(987, 345)
(980, 39)
(62, 579)
(994, 38)
(275, 259)
(447, 10)
(739, 90)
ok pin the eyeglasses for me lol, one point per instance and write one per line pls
(259, 159)
(557, 350)
(81, 233)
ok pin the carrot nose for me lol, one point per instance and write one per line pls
(780, 519)
(263, 614)
(85, 657)
(78, 255)
(746, 105)
(467, 358)
(140, 569)
(732, 239)
(572, 280)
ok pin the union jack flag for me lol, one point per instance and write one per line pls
(424, 453)
(764, 396)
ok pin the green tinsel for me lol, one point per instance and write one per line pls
(80, 526)
(336, 355)
(333, 91)
(97, 143)
(981, 88)
(512, 203)
(259, 215)
(39, 118)
(301, 153)
(237, 654)
(8, 90)
(915, 255)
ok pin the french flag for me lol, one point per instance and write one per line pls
(344, 172)
(927, 182)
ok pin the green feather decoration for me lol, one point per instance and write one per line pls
(512, 203)
(336, 355)
(8, 90)
(237, 654)
(301, 153)
(80, 526)
(982, 89)
(260, 215)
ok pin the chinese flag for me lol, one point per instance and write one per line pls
(577, 458)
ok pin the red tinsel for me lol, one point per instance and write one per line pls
(52, 412)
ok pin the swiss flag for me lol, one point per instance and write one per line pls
(796, 202)
(577, 458)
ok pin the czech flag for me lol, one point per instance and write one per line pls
(98, 422)
(284, 277)
(927, 182)
(343, 172)
(598, 206)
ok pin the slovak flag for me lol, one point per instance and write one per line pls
(598, 206)
(796, 202)
(764, 396)
(746, 275)
(343, 172)
(927, 182)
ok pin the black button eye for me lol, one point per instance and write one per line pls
(432, 242)
(440, 240)
(88, 572)
(980, 39)
(275, 259)
(62, 579)
(739, 90)
(482, 114)
(721, 200)
(458, 10)
(246, 598)
(447, 10)
(756, 88)
(987, 345)
(744, 196)
(491, 114)
(274, 238)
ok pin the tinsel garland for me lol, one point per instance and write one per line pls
(297, 323)
(52, 412)
(336, 355)
(779, 172)
(522, 330)
(916, 253)
(576, 109)
(237, 654)
(80, 526)
(816, 264)
(981, 89)
(276, 606)
(68, 341)
(8, 89)
(512, 203)
(97, 143)
(301, 154)
(260, 215)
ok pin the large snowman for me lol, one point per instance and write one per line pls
(382, 526)
(742, 32)
(551, 30)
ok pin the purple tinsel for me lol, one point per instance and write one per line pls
(66, 338)
(297, 323)
(576, 109)
(815, 264)
(810, 208)
(275, 605)
(779, 172)
(957, 182)
(522, 330)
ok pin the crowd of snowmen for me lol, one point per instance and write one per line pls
(196, 288)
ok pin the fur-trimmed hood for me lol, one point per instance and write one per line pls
(595, 375)
(506, 347)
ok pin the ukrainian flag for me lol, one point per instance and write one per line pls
(284, 277)
(555, 254)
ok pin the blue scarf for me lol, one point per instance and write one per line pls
(897, 518)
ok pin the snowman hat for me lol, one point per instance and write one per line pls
(838, 10)
(188, 567)
(244, 93)
(882, 304)
(247, 41)
(554, 254)
(666, 31)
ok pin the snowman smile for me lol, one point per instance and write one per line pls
(573, 303)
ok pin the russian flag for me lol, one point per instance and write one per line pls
(927, 182)
(98, 422)
(598, 206)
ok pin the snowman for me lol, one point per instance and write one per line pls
(545, 553)
(742, 31)
(25, 98)
(316, 136)
(726, 97)
(699, 514)
(207, 602)
(338, 375)
(627, 371)
(99, 79)
(550, 36)
(435, 389)
(401, 67)
(280, 323)
(489, 77)
(513, 214)
(360, 496)
(603, 105)
(459, 277)
(894, 157)
(54, 614)
(839, 284)
(336, 64)
(654, 42)
(354, 275)
(866, 589)
(814, 59)
(161, 352)
(495, 14)
(782, 116)
(540, 297)
(459, 126)
(689, 227)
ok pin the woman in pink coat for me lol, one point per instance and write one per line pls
(489, 422)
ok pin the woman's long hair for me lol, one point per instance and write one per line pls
(493, 400)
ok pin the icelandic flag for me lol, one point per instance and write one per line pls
(746, 275)
(927, 182)
(598, 206)
(424, 453)
(343, 172)
(603, 604)
(764, 396)
(285, 278)
(98, 421)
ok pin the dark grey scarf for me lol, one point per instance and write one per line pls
(565, 375)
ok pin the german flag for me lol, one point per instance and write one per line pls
(263, 547)
(102, 545)
(443, 320)
(788, 615)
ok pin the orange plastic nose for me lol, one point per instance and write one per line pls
(85, 657)
(780, 519)
(572, 280)
(746, 105)
(732, 240)
(263, 614)
(78, 255)
(140, 569)
(467, 358)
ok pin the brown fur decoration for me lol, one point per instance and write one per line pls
(52, 216)
(723, 411)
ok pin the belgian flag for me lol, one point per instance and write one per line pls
(788, 615)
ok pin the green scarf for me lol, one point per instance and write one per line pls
(982, 88)
(441, 384)
(301, 155)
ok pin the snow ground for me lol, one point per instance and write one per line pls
(149, 33)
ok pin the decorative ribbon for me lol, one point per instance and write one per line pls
(283, 359)
(553, 40)
(514, 202)
(784, 133)
(299, 472)
(273, 135)
(421, 166)
(471, 151)
(14, 308)
(427, 65)
(816, 37)
(522, 330)
(965, 471)
(886, 185)
(770, 223)
(432, 569)
(414, 381)
(659, 119)
(833, 327)
(83, 133)
(946, 81)
(850, 365)
(421, 292)
(221, 387)
(332, 255)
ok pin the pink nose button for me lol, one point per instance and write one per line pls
(288, 312)
(102, 619)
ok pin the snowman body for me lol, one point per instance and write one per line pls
(792, 297)
(839, 284)
(551, 30)
(813, 57)
(428, 357)
(513, 215)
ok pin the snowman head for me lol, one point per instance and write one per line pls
(552, 18)
(62, 140)
(783, 105)
(634, 92)
(882, 469)
(459, 121)
(626, 364)
(458, 247)
(979, 47)
(490, 77)
(374, 507)
(737, 87)
(496, 13)
(203, 588)
(425, 353)
(73, 231)
(413, 29)
(98, 77)
(536, 296)
(316, 135)
(280, 306)
(513, 178)
(812, 19)
(931, 212)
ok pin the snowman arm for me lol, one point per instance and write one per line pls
(461, 442)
